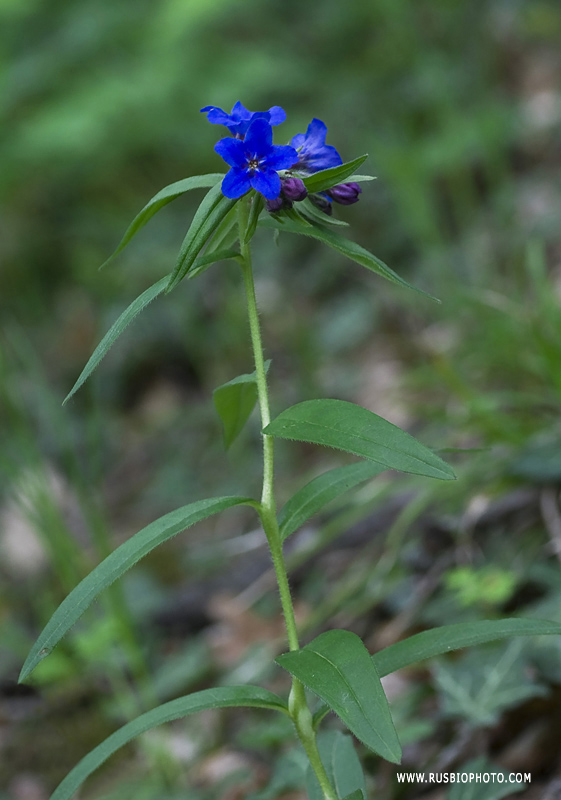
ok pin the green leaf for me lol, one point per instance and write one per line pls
(116, 330)
(226, 234)
(256, 208)
(342, 766)
(111, 568)
(326, 178)
(346, 426)
(344, 246)
(138, 305)
(234, 402)
(447, 638)
(311, 212)
(161, 199)
(293, 214)
(454, 637)
(338, 668)
(358, 795)
(222, 697)
(208, 217)
(360, 178)
(478, 790)
(202, 263)
(320, 491)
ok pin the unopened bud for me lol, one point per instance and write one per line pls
(345, 193)
(294, 189)
(275, 205)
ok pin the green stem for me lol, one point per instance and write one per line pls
(298, 706)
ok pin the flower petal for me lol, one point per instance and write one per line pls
(236, 182)
(276, 115)
(314, 154)
(316, 133)
(215, 115)
(298, 140)
(314, 161)
(240, 111)
(282, 156)
(232, 151)
(266, 182)
(259, 137)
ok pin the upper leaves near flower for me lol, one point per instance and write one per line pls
(239, 120)
(254, 161)
(313, 153)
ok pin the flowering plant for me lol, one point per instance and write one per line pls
(287, 188)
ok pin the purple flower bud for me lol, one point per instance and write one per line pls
(345, 193)
(294, 189)
(275, 205)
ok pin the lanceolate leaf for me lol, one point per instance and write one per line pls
(342, 245)
(161, 199)
(226, 234)
(338, 668)
(116, 330)
(255, 210)
(234, 402)
(320, 491)
(360, 178)
(208, 217)
(453, 637)
(339, 757)
(447, 638)
(326, 178)
(202, 263)
(115, 565)
(129, 314)
(346, 426)
(221, 697)
(310, 212)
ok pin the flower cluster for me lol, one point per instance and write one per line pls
(255, 162)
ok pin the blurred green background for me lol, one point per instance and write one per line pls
(457, 102)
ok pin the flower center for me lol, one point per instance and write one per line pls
(253, 164)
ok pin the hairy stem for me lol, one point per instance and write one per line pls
(298, 706)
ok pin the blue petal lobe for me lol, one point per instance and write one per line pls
(240, 112)
(282, 156)
(236, 182)
(268, 183)
(259, 137)
(298, 140)
(316, 133)
(215, 115)
(232, 151)
(276, 115)
(325, 158)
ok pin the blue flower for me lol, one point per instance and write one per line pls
(254, 161)
(238, 121)
(314, 154)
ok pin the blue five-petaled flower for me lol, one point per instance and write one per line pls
(313, 154)
(254, 161)
(239, 120)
